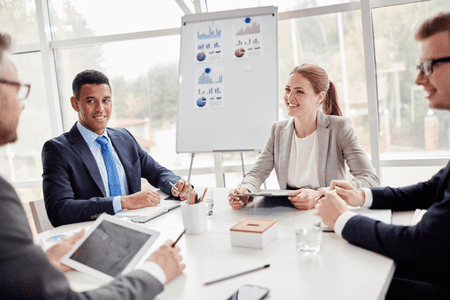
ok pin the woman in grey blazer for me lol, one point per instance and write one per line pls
(310, 149)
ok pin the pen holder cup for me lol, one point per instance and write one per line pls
(194, 217)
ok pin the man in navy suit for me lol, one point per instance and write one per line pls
(76, 180)
(422, 252)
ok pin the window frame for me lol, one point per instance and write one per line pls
(47, 47)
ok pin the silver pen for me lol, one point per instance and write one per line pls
(239, 186)
(173, 185)
(242, 181)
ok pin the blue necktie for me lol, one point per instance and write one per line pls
(111, 169)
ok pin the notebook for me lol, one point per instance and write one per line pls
(146, 214)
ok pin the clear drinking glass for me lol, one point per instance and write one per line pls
(308, 234)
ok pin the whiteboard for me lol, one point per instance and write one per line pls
(228, 80)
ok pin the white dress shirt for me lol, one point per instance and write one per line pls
(90, 138)
(343, 219)
(302, 169)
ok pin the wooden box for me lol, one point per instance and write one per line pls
(253, 233)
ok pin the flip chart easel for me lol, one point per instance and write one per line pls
(228, 82)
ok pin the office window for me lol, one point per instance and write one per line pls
(407, 125)
(144, 78)
(283, 5)
(333, 42)
(85, 18)
(18, 18)
(22, 160)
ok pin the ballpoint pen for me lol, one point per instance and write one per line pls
(176, 188)
(239, 186)
(174, 243)
(322, 196)
(239, 274)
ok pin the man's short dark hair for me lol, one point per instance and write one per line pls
(88, 77)
(438, 23)
(5, 44)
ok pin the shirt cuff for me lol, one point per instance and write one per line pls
(117, 205)
(369, 197)
(342, 221)
(155, 270)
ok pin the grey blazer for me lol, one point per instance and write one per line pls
(337, 144)
(25, 272)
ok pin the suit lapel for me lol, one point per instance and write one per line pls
(323, 138)
(80, 147)
(284, 150)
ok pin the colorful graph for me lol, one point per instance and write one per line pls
(255, 28)
(206, 79)
(211, 34)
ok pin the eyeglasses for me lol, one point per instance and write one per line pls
(426, 66)
(22, 92)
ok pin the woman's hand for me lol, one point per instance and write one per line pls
(304, 198)
(238, 202)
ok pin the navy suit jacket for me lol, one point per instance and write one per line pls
(72, 184)
(423, 248)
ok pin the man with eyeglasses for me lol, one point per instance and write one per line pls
(26, 272)
(422, 252)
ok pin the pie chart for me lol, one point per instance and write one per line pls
(201, 56)
(201, 101)
(239, 52)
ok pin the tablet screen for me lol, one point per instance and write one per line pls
(110, 247)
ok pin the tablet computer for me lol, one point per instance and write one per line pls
(263, 195)
(111, 247)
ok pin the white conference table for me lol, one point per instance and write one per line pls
(339, 271)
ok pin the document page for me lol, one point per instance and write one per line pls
(147, 213)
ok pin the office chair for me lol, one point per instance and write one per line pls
(40, 217)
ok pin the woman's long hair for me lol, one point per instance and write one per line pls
(320, 83)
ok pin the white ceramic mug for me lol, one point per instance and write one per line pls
(194, 217)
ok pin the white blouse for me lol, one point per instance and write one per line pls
(302, 170)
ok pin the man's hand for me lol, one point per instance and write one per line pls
(346, 191)
(330, 207)
(56, 252)
(169, 260)
(304, 198)
(140, 199)
(183, 189)
(238, 202)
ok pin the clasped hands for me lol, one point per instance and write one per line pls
(332, 203)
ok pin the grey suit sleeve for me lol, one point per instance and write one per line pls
(25, 272)
(263, 166)
(360, 166)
